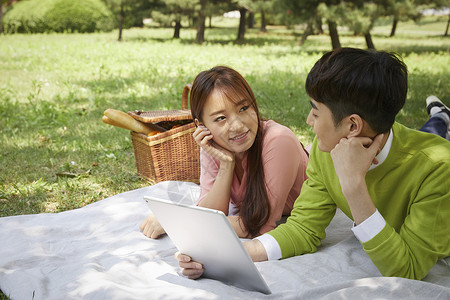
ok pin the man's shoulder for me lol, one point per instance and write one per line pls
(412, 142)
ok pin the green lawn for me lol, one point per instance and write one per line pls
(55, 87)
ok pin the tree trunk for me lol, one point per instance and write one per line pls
(263, 21)
(308, 32)
(210, 21)
(241, 30)
(1, 18)
(251, 20)
(121, 17)
(334, 35)
(201, 22)
(319, 25)
(369, 41)
(176, 33)
(394, 27)
(448, 23)
(200, 29)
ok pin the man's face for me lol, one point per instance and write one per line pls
(321, 120)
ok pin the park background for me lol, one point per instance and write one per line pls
(62, 63)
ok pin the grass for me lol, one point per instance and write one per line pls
(55, 87)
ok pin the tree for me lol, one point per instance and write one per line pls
(119, 8)
(400, 10)
(358, 15)
(243, 6)
(121, 19)
(195, 11)
(262, 28)
(176, 10)
(311, 13)
(332, 12)
(448, 23)
(131, 12)
(200, 23)
(262, 6)
(2, 3)
(361, 17)
(215, 8)
(38, 16)
(241, 29)
(434, 4)
(251, 20)
(210, 7)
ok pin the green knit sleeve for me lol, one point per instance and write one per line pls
(311, 214)
(424, 236)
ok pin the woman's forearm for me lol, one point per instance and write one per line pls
(238, 226)
(218, 196)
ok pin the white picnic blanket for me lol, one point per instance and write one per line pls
(98, 252)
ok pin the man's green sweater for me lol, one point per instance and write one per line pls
(411, 190)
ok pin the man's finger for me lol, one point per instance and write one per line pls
(377, 142)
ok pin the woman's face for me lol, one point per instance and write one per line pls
(233, 125)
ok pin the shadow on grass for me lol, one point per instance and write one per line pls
(253, 41)
(395, 46)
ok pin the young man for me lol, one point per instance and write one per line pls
(393, 182)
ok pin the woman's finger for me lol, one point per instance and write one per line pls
(182, 257)
(191, 265)
(142, 226)
(192, 273)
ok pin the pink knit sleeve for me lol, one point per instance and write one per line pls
(209, 168)
(285, 163)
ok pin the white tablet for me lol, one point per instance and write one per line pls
(207, 236)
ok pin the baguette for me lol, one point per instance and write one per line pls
(107, 120)
(123, 120)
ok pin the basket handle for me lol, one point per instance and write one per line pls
(184, 96)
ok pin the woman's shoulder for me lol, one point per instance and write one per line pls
(274, 130)
(281, 142)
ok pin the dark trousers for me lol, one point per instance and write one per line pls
(435, 125)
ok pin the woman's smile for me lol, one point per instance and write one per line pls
(240, 137)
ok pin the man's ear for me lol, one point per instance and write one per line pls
(355, 125)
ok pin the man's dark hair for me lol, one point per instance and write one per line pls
(372, 84)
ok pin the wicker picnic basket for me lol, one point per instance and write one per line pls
(172, 154)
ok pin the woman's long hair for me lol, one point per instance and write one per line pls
(254, 209)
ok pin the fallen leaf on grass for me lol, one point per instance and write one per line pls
(66, 174)
(73, 175)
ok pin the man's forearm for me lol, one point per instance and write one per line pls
(256, 250)
(359, 201)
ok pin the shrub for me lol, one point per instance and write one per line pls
(35, 16)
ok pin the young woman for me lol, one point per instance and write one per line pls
(251, 169)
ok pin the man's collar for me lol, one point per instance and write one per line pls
(384, 152)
